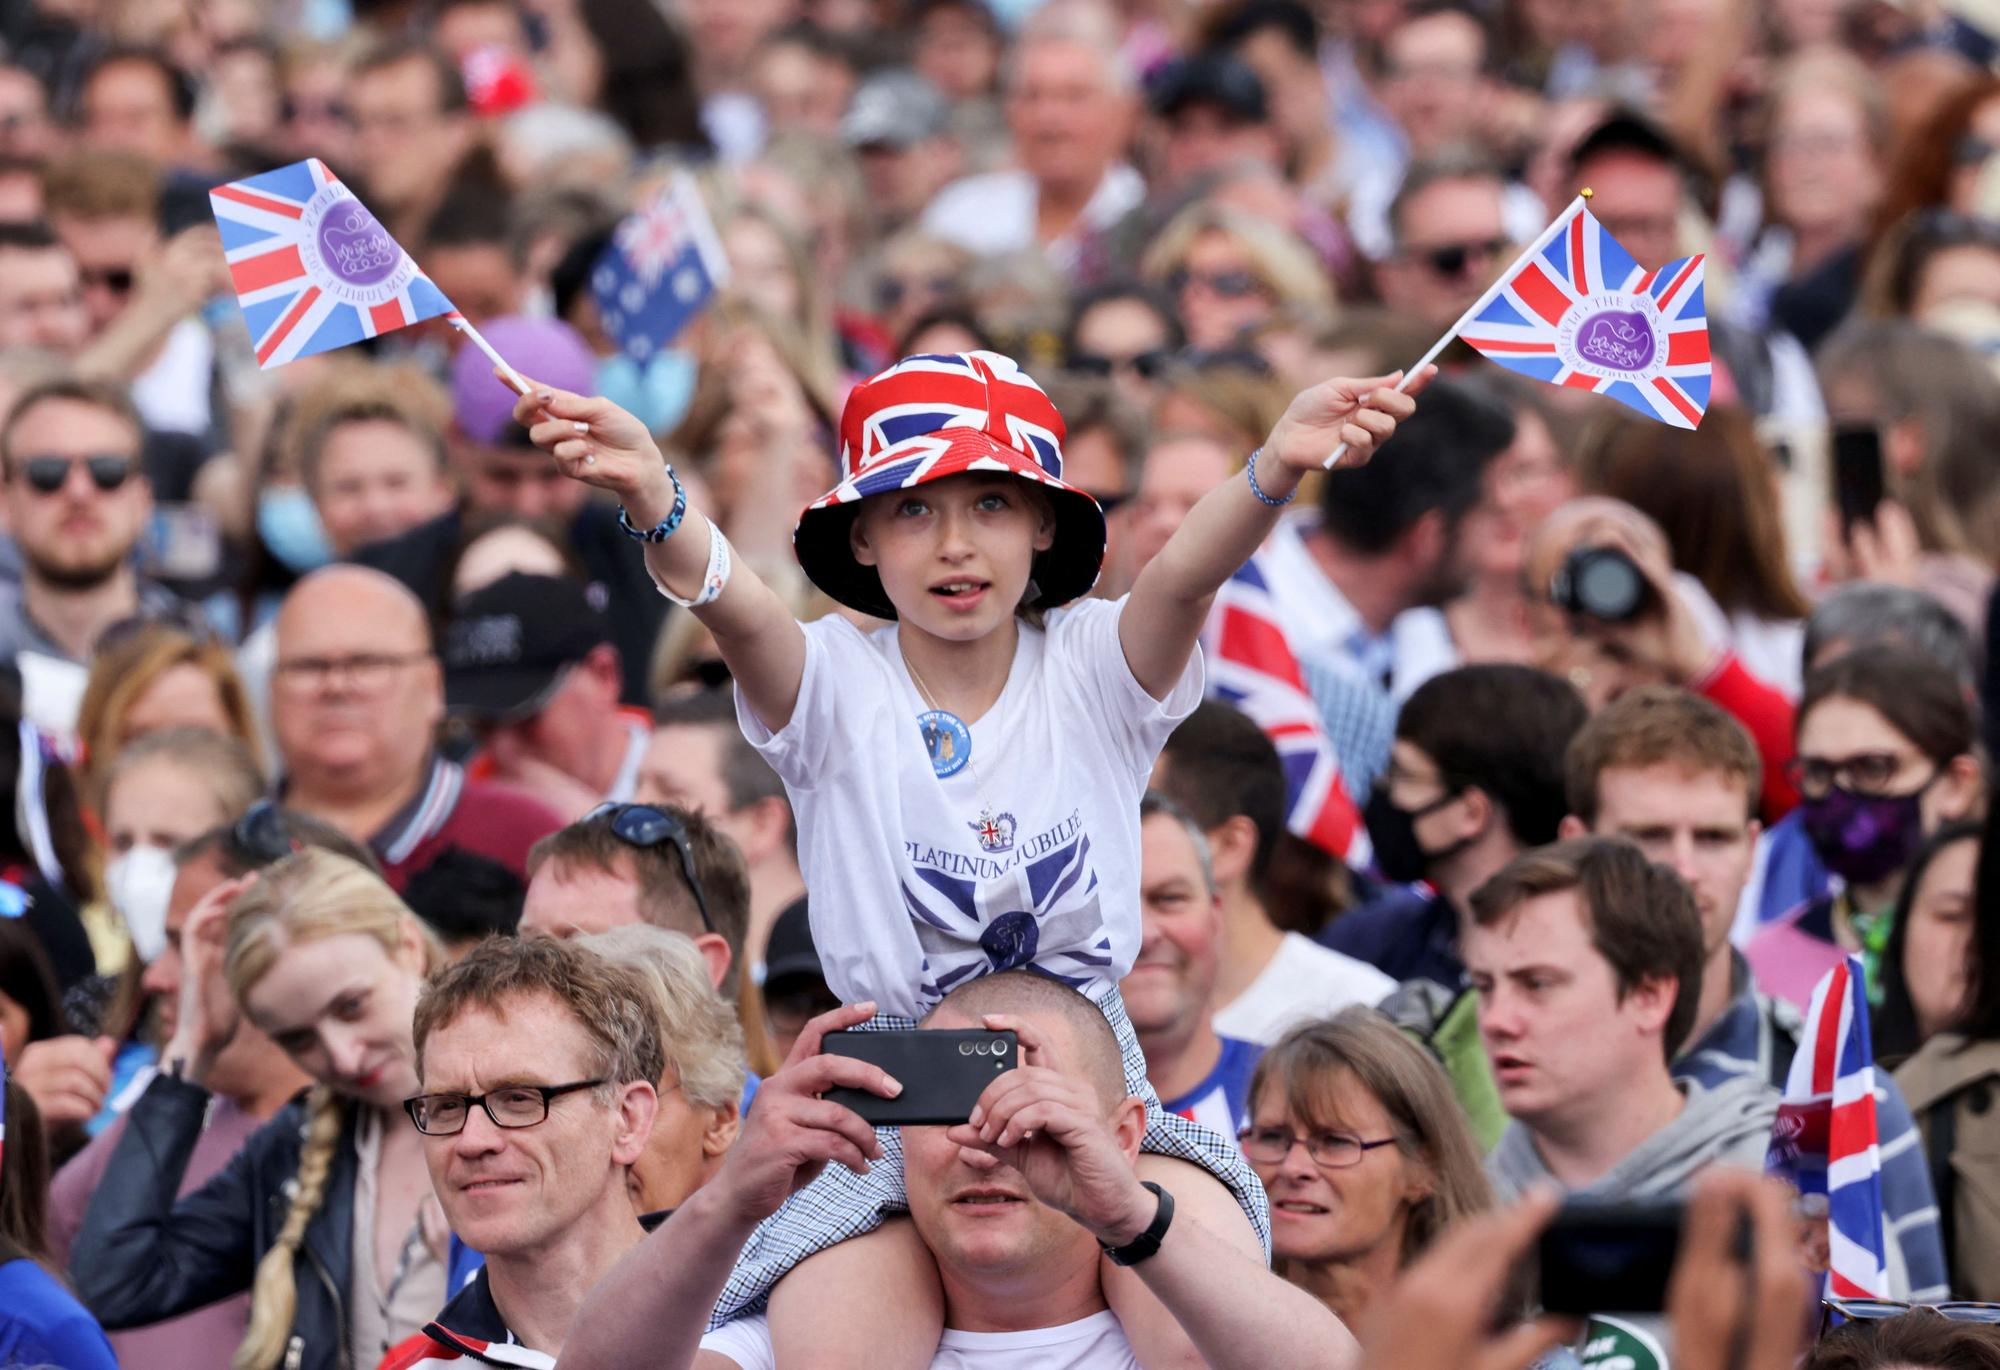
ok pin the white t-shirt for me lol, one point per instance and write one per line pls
(1093, 1343)
(911, 893)
(1304, 980)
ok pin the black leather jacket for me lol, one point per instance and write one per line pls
(143, 1256)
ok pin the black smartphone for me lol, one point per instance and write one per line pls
(943, 1072)
(1857, 473)
(1610, 1257)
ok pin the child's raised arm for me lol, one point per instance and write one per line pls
(596, 442)
(1163, 617)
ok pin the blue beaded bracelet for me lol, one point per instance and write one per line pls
(667, 526)
(1250, 469)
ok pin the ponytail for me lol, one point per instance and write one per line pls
(274, 1295)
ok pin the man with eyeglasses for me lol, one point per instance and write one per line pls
(356, 697)
(640, 863)
(537, 1060)
(77, 501)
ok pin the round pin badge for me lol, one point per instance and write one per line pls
(948, 741)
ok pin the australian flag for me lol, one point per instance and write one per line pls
(1825, 1139)
(663, 265)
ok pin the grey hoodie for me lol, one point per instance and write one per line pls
(1729, 1123)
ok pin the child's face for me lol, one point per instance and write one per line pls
(954, 554)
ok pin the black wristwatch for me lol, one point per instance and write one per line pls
(1147, 1243)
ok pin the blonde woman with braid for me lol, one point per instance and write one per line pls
(326, 1215)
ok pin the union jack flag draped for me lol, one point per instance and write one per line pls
(1580, 312)
(1825, 1138)
(312, 268)
(1251, 665)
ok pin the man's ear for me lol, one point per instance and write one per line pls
(1232, 846)
(605, 669)
(1128, 1126)
(1477, 812)
(720, 1133)
(638, 1105)
(1571, 826)
(770, 819)
(714, 949)
(1652, 999)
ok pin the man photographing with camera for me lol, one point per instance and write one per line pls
(1024, 1207)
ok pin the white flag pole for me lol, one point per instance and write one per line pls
(472, 335)
(1479, 305)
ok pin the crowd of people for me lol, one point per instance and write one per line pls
(447, 823)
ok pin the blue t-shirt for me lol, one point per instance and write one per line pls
(41, 1323)
(1222, 1100)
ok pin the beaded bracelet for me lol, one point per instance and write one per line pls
(1250, 469)
(667, 526)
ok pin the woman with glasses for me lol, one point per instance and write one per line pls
(1365, 1154)
(327, 1214)
(1885, 742)
(1942, 966)
(1228, 272)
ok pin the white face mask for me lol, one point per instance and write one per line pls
(140, 884)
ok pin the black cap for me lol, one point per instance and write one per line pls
(790, 952)
(1220, 79)
(1624, 129)
(509, 641)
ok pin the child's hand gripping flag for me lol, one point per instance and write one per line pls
(313, 269)
(1825, 1139)
(664, 264)
(1576, 310)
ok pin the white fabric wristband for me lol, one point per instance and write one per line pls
(712, 580)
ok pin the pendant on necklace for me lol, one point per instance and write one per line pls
(995, 831)
(948, 741)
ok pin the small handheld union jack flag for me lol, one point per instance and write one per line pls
(1825, 1139)
(663, 265)
(313, 269)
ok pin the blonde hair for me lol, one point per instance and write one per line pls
(125, 669)
(699, 1032)
(223, 763)
(304, 898)
(1279, 259)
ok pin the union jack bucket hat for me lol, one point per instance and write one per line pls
(928, 417)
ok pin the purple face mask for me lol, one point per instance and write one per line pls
(1865, 838)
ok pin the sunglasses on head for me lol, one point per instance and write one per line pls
(1834, 1312)
(263, 835)
(1451, 259)
(642, 825)
(46, 475)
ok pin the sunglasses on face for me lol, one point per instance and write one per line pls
(116, 279)
(1452, 259)
(1230, 284)
(1149, 365)
(642, 825)
(893, 290)
(46, 475)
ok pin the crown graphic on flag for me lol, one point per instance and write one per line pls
(312, 268)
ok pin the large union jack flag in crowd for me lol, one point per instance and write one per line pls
(1252, 666)
(1825, 1139)
(313, 269)
(1582, 313)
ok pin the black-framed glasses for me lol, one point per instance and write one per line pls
(1833, 1312)
(1863, 773)
(642, 825)
(108, 470)
(1331, 1150)
(366, 672)
(1452, 259)
(445, 1115)
(262, 833)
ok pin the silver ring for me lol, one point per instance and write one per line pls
(590, 458)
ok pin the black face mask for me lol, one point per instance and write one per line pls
(1393, 832)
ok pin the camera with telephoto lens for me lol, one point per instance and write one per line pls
(1601, 583)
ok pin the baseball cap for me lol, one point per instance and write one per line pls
(546, 350)
(790, 952)
(509, 642)
(896, 108)
(1220, 79)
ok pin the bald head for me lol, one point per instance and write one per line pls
(394, 615)
(1084, 1044)
(356, 691)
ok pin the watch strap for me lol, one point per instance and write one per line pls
(1147, 1243)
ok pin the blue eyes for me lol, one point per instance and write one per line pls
(986, 504)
